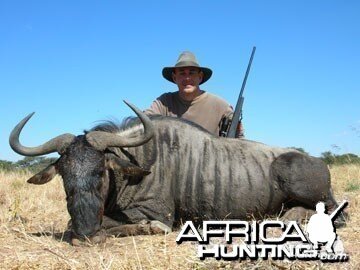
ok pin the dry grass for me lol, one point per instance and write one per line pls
(33, 220)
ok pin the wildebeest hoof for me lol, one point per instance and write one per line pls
(158, 227)
(98, 238)
(341, 219)
(144, 221)
(339, 223)
(77, 242)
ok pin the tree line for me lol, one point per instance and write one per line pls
(33, 164)
(333, 159)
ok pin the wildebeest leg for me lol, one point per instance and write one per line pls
(304, 180)
(149, 216)
(118, 229)
(298, 214)
(142, 228)
(108, 223)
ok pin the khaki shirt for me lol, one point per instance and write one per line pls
(206, 110)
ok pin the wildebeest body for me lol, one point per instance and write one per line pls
(197, 176)
(169, 170)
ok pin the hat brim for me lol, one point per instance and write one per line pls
(168, 71)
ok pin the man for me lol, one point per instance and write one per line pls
(190, 102)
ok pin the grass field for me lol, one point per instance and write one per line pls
(33, 221)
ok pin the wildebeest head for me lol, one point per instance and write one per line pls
(84, 165)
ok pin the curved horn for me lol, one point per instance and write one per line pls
(57, 144)
(101, 139)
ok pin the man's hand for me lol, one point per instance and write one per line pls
(225, 124)
(239, 131)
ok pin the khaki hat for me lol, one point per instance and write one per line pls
(186, 59)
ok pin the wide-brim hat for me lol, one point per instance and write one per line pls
(186, 59)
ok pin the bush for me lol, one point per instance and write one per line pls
(332, 159)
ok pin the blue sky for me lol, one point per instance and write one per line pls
(73, 62)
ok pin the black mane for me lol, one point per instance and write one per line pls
(114, 126)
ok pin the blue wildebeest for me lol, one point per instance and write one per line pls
(151, 174)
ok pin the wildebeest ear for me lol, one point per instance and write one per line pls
(44, 176)
(124, 166)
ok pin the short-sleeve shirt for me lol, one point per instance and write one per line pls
(206, 110)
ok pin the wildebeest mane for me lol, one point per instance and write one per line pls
(115, 126)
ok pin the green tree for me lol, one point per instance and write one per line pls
(330, 158)
(34, 164)
(7, 165)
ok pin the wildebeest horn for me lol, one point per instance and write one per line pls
(101, 139)
(57, 144)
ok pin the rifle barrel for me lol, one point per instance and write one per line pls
(238, 108)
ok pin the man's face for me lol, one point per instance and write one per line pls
(188, 79)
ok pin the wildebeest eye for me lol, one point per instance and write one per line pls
(98, 173)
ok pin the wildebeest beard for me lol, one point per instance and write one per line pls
(82, 170)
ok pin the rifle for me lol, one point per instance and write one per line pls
(225, 131)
